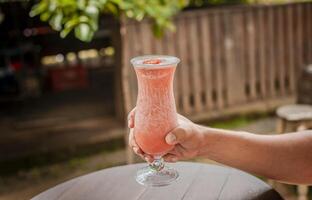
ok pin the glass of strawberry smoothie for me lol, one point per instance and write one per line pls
(155, 115)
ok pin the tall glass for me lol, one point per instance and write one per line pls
(155, 115)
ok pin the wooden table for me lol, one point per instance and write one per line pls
(291, 118)
(196, 181)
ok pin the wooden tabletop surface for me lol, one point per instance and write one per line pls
(196, 182)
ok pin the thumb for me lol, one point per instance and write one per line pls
(177, 135)
(131, 117)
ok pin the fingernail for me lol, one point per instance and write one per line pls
(171, 138)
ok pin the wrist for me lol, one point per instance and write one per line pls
(203, 139)
(210, 140)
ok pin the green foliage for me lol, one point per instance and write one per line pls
(82, 15)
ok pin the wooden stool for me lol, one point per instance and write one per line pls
(292, 118)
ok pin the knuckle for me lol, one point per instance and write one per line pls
(180, 132)
(177, 129)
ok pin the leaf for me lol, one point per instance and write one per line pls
(96, 3)
(150, 11)
(83, 15)
(169, 25)
(102, 1)
(157, 30)
(112, 8)
(126, 5)
(72, 22)
(130, 14)
(92, 11)
(52, 6)
(38, 8)
(45, 16)
(183, 3)
(139, 15)
(65, 32)
(56, 21)
(116, 1)
(81, 4)
(83, 19)
(93, 24)
(84, 32)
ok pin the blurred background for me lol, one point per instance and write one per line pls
(66, 84)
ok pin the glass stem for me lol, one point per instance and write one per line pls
(158, 163)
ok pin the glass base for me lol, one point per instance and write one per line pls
(150, 177)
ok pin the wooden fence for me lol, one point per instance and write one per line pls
(233, 59)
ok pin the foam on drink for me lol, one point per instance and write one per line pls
(154, 61)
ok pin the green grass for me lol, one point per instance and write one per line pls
(236, 122)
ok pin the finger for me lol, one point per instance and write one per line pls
(170, 158)
(138, 151)
(132, 142)
(173, 152)
(180, 150)
(131, 118)
(176, 136)
(142, 156)
(148, 158)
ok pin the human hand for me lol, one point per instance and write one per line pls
(187, 139)
(132, 143)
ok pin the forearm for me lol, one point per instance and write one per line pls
(285, 157)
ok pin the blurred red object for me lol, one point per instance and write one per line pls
(68, 78)
(16, 66)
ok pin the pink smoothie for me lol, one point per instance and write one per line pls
(155, 110)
